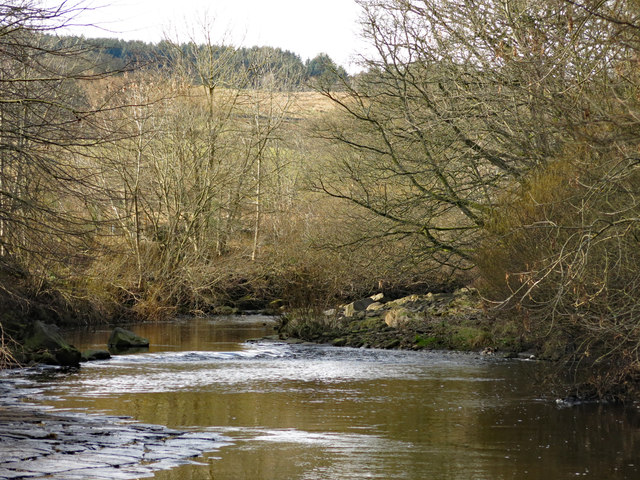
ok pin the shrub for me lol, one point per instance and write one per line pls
(563, 251)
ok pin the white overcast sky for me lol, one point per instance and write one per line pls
(304, 27)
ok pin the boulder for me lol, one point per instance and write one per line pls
(376, 306)
(397, 317)
(45, 344)
(357, 306)
(415, 302)
(122, 339)
(93, 355)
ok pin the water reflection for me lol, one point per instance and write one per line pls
(301, 412)
(183, 334)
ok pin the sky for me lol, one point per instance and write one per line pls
(305, 27)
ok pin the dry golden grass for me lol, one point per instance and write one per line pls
(307, 104)
(299, 104)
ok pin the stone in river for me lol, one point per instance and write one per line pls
(44, 344)
(123, 339)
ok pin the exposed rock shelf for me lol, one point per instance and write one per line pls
(40, 443)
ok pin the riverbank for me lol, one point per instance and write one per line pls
(458, 320)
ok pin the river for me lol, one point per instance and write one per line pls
(314, 412)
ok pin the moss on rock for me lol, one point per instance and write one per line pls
(432, 321)
(44, 344)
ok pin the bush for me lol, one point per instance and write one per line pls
(563, 251)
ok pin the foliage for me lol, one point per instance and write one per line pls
(564, 249)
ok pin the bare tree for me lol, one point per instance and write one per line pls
(47, 132)
(460, 101)
(268, 104)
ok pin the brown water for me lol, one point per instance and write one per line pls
(318, 412)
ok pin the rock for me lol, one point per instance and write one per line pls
(357, 306)
(45, 345)
(93, 355)
(122, 339)
(368, 324)
(466, 299)
(330, 313)
(379, 297)
(374, 307)
(374, 302)
(127, 350)
(397, 317)
(415, 302)
(44, 357)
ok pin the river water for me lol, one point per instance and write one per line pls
(317, 412)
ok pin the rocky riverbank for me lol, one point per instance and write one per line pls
(457, 320)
